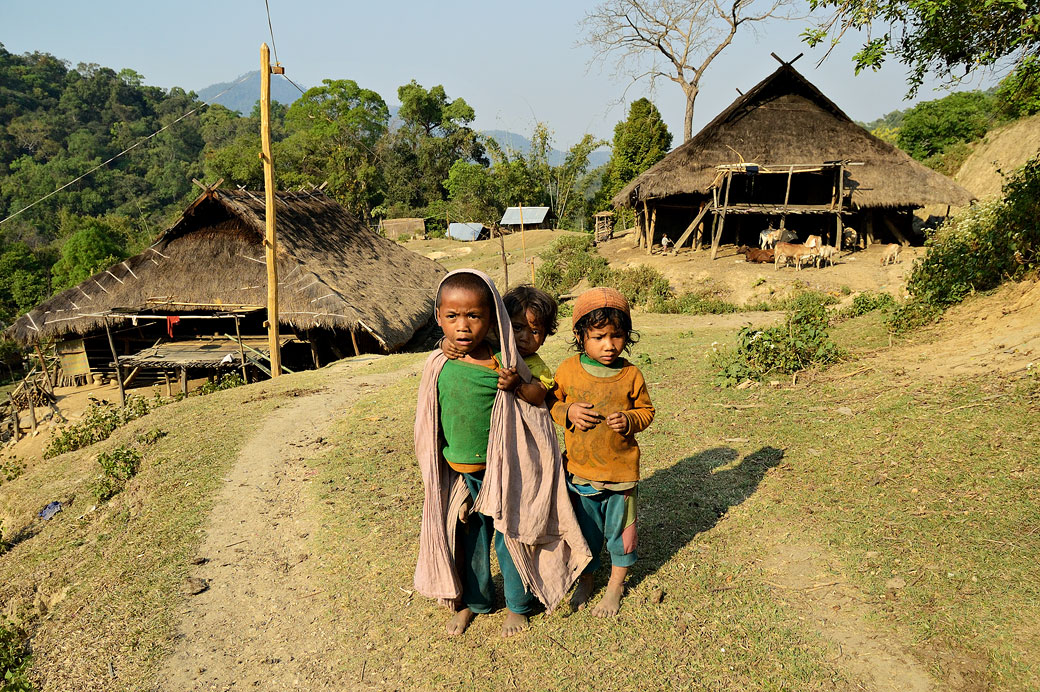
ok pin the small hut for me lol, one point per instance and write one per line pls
(395, 228)
(343, 289)
(783, 154)
(604, 226)
(530, 217)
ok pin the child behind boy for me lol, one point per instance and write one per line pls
(602, 402)
(458, 401)
(532, 312)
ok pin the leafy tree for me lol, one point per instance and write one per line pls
(95, 245)
(946, 38)
(1018, 94)
(334, 130)
(931, 127)
(640, 140)
(23, 282)
(689, 35)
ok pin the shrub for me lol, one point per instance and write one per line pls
(15, 657)
(117, 467)
(228, 381)
(976, 250)
(99, 421)
(11, 469)
(802, 341)
(869, 301)
(704, 303)
(573, 258)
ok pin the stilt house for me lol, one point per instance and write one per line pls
(784, 155)
(198, 295)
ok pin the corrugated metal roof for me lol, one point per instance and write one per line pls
(532, 215)
(465, 231)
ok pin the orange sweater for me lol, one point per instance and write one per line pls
(601, 454)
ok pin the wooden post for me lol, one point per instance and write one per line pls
(241, 352)
(353, 340)
(717, 235)
(32, 407)
(314, 349)
(184, 381)
(896, 232)
(644, 229)
(787, 197)
(841, 199)
(505, 263)
(15, 431)
(270, 241)
(169, 384)
(115, 361)
(868, 235)
(650, 236)
(523, 242)
(52, 383)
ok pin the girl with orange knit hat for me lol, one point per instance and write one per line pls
(601, 401)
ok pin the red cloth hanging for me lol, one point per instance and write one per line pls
(170, 321)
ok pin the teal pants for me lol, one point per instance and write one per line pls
(475, 537)
(607, 517)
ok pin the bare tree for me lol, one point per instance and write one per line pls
(688, 34)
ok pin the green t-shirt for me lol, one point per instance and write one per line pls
(466, 394)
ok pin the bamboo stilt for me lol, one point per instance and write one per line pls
(241, 352)
(115, 361)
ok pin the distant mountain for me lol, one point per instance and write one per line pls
(246, 92)
(511, 140)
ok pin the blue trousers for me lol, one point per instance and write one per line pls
(476, 537)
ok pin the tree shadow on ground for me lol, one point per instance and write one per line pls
(689, 497)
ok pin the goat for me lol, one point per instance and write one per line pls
(825, 253)
(813, 241)
(788, 251)
(788, 236)
(768, 238)
(850, 238)
(755, 254)
(891, 254)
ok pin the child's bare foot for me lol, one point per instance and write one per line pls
(459, 622)
(582, 592)
(610, 604)
(514, 624)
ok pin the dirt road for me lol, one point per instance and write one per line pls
(261, 622)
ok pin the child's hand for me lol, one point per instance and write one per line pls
(583, 416)
(618, 423)
(450, 350)
(508, 379)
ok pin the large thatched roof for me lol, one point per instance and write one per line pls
(333, 272)
(786, 120)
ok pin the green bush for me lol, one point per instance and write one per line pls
(99, 421)
(869, 301)
(228, 381)
(704, 303)
(117, 468)
(976, 250)
(15, 658)
(573, 258)
(11, 469)
(802, 341)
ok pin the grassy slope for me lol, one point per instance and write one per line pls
(911, 486)
(945, 499)
(116, 572)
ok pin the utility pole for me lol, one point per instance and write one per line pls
(270, 239)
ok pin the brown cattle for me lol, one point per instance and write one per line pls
(787, 251)
(755, 254)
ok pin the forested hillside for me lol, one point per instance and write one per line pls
(59, 122)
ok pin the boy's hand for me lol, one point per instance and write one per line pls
(618, 423)
(583, 416)
(508, 379)
(450, 350)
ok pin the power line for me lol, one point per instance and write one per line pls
(271, 29)
(124, 151)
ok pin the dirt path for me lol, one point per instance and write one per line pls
(878, 660)
(262, 622)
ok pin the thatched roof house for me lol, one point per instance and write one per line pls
(333, 273)
(783, 121)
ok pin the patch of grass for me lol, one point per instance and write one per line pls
(868, 301)
(705, 302)
(10, 469)
(229, 380)
(117, 468)
(800, 298)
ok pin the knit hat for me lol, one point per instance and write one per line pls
(596, 298)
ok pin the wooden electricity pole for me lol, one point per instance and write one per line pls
(270, 240)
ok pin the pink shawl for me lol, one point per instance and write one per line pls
(524, 488)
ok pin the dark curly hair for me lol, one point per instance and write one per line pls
(467, 282)
(601, 317)
(523, 298)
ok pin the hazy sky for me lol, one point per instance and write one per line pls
(513, 62)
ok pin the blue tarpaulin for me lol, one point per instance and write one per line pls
(467, 231)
